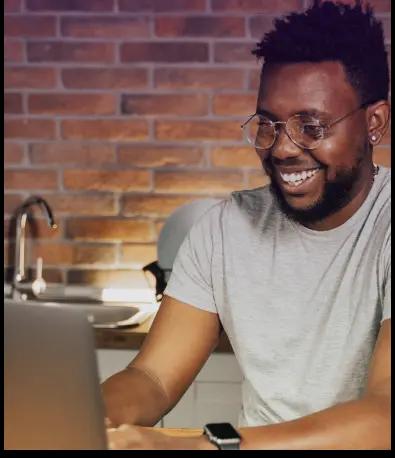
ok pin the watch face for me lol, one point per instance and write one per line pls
(223, 431)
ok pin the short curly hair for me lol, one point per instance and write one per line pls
(329, 31)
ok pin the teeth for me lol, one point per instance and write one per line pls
(298, 178)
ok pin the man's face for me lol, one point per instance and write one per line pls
(340, 164)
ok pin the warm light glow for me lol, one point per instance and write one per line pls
(132, 295)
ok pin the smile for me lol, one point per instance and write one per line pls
(297, 178)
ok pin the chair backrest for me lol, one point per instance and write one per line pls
(171, 237)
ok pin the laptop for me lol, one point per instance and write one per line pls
(52, 393)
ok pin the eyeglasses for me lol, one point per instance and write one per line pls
(305, 131)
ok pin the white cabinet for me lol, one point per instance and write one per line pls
(214, 396)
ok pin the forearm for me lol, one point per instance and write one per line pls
(134, 396)
(356, 425)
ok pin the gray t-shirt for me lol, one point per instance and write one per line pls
(302, 308)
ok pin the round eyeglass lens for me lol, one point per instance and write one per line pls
(305, 131)
(260, 132)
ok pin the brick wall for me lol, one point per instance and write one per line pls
(119, 111)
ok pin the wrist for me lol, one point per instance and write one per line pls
(203, 443)
(195, 443)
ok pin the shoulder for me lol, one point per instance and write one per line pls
(252, 201)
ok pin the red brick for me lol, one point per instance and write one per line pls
(259, 6)
(72, 153)
(259, 25)
(105, 27)
(30, 179)
(234, 104)
(57, 253)
(115, 229)
(198, 130)
(126, 278)
(53, 253)
(199, 26)
(9, 255)
(114, 180)
(152, 205)
(29, 26)
(160, 6)
(91, 204)
(102, 78)
(257, 179)
(12, 6)
(14, 50)
(137, 256)
(379, 6)
(235, 156)
(78, 104)
(13, 103)
(29, 128)
(56, 51)
(114, 129)
(159, 156)
(234, 52)
(164, 52)
(13, 153)
(40, 229)
(94, 254)
(29, 77)
(198, 182)
(382, 155)
(12, 202)
(199, 78)
(9, 228)
(165, 104)
(70, 5)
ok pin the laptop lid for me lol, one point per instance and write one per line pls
(51, 387)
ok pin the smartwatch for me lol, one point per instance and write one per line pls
(223, 435)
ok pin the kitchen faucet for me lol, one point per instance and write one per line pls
(20, 283)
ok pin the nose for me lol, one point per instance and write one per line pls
(284, 148)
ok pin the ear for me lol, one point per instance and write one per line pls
(378, 115)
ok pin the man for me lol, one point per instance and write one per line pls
(298, 273)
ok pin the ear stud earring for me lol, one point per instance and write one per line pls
(373, 138)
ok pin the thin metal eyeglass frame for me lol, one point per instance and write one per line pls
(324, 128)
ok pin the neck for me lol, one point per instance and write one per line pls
(362, 190)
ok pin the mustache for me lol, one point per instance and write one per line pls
(270, 162)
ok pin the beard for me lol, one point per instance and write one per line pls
(336, 195)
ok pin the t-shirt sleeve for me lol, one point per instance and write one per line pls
(191, 277)
(387, 297)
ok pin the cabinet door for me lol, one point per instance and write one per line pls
(111, 361)
(214, 396)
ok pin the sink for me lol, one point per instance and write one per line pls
(101, 310)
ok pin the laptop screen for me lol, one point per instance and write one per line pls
(52, 392)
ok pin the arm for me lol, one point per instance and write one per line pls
(179, 342)
(362, 424)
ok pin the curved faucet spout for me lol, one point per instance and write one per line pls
(37, 200)
(21, 221)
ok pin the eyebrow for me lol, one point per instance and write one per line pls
(313, 112)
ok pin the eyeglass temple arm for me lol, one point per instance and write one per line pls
(363, 105)
(248, 120)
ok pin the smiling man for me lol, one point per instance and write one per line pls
(297, 273)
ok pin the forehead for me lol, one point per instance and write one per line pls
(290, 88)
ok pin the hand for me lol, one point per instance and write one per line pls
(128, 437)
